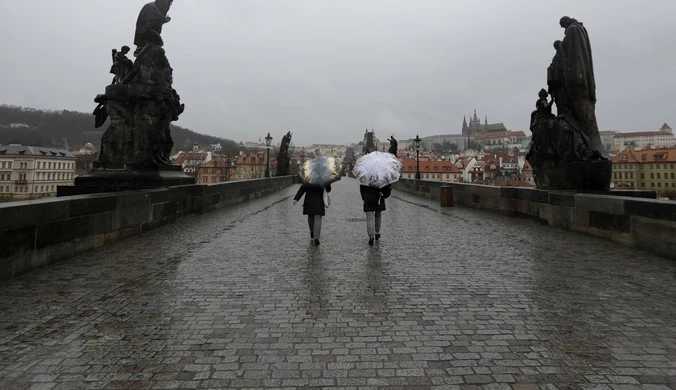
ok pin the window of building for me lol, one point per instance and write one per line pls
(642, 176)
(652, 175)
(42, 188)
(9, 165)
(3, 164)
(672, 175)
(659, 185)
(658, 175)
(2, 189)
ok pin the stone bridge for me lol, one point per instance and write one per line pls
(452, 298)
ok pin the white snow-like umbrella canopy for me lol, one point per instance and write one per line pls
(377, 169)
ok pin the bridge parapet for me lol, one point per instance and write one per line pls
(630, 218)
(40, 232)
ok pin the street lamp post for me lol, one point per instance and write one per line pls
(268, 145)
(417, 156)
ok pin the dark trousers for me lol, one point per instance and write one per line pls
(315, 223)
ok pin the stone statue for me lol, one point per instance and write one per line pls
(149, 24)
(566, 150)
(121, 64)
(141, 104)
(283, 158)
(393, 145)
(554, 81)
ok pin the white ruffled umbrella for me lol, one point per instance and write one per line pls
(377, 169)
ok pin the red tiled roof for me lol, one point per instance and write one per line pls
(179, 160)
(218, 161)
(409, 166)
(646, 156)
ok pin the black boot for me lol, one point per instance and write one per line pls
(371, 241)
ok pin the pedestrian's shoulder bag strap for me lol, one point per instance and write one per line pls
(327, 199)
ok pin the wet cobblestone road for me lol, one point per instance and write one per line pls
(448, 299)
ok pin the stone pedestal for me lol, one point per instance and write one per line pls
(580, 175)
(126, 177)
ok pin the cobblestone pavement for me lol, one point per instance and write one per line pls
(447, 299)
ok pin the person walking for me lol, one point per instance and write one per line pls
(314, 207)
(374, 205)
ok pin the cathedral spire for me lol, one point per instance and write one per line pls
(476, 118)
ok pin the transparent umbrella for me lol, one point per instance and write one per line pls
(321, 171)
(377, 169)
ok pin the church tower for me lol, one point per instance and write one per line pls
(474, 124)
(465, 129)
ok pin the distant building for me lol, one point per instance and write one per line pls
(219, 169)
(475, 126)
(252, 166)
(254, 145)
(444, 171)
(191, 161)
(527, 173)
(608, 139)
(28, 172)
(87, 149)
(472, 169)
(445, 140)
(649, 169)
(646, 139)
(506, 140)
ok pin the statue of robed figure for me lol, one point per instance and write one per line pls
(284, 158)
(566, 150)
(393, 145)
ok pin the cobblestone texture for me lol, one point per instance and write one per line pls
(447, 299)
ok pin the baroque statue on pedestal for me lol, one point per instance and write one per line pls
(141, 104)
(141, 101)
(566, 151)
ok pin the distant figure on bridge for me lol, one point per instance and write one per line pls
(374, 205)
(314, 207)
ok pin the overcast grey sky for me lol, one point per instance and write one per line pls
(326, 69)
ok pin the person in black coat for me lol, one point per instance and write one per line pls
(313, 207)
(374, 205)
